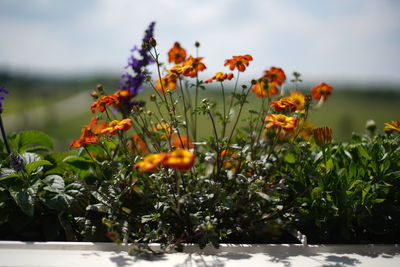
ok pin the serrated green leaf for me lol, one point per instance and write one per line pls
(36, 166)
(78, 162)
(29, 139)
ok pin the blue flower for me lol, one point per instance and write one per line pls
(138, 64)
(5, 92)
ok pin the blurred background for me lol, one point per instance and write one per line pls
(53, 53)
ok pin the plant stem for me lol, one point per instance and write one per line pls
(3, 134)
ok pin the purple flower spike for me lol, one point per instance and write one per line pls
(2, 91)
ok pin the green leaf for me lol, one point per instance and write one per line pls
(55, 183)
(59, 201)
(78, 162)
(24, 199)
(378, 200)
(264, 196)
(316, 193)
(36, 166)
(363, 152)
(290, 158)
(29, 139)
(7, 173)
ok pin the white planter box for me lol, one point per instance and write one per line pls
(44, 254)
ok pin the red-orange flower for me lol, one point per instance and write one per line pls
(284, 103)
(263, 88)
(239, 62)
(177, 70)
(104, 101)
(180, 159)
(136, 144)
(220, 77)
(164, 85)
(176, 54)
(281, 121)
(196, 64)
(116, 125)
(275, 75)
(298, 99)
(181, 141)
(322, 90)
(150, 162)
(89, 134)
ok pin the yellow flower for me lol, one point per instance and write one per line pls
(393, 126)
(150, 162)
(180, 159)
(116, 125)
(281, 121)
(298, 99)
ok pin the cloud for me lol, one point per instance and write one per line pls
(356, 39)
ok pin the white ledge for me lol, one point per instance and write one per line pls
(55, 254)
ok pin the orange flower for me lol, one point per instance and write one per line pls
(86, 138)
(239, 62)
(104, 101)
(284, 103)
(220, 77)
(322, 136)
(176, 54)
(136, 144)
(89, 134)
(196, 64)
(322, 90)
(182, 142)
(230, 159)
(165, 85)
(281, 121)
(306, 130)
(298, 99)
(180, 159)
(177, 70)
(275, 75)
(393, 126)
(116, 125)
(263, 88)
(150, 162)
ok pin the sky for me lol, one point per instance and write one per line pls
(331, 40)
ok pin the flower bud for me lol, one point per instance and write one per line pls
(153, 97)
(197, 44)
(322, 136)
(370, 127)
(152, 42)
(100, 88)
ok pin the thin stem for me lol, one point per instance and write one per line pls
(3, 134)
(224, 120)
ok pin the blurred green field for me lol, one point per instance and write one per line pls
(61, 107)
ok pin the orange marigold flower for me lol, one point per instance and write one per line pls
(239, 62)
(164, 85)
(298, 99)
(281, 121)
(220, 77)
(180, 159)
(263, 88)
(196, 64)
(393, 126)
(164, 128)
(176, 54)
(230, 159)
(177, 70)
(322, 136)
(150, 162)
(284, 103)
(89, 134)
(276, 75)
(322, 90)
(136, 144)
(104, 101)
(116, 125)
(306, 130)
(86, 138)
(181, 141)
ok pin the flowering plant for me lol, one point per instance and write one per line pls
(146, 173)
